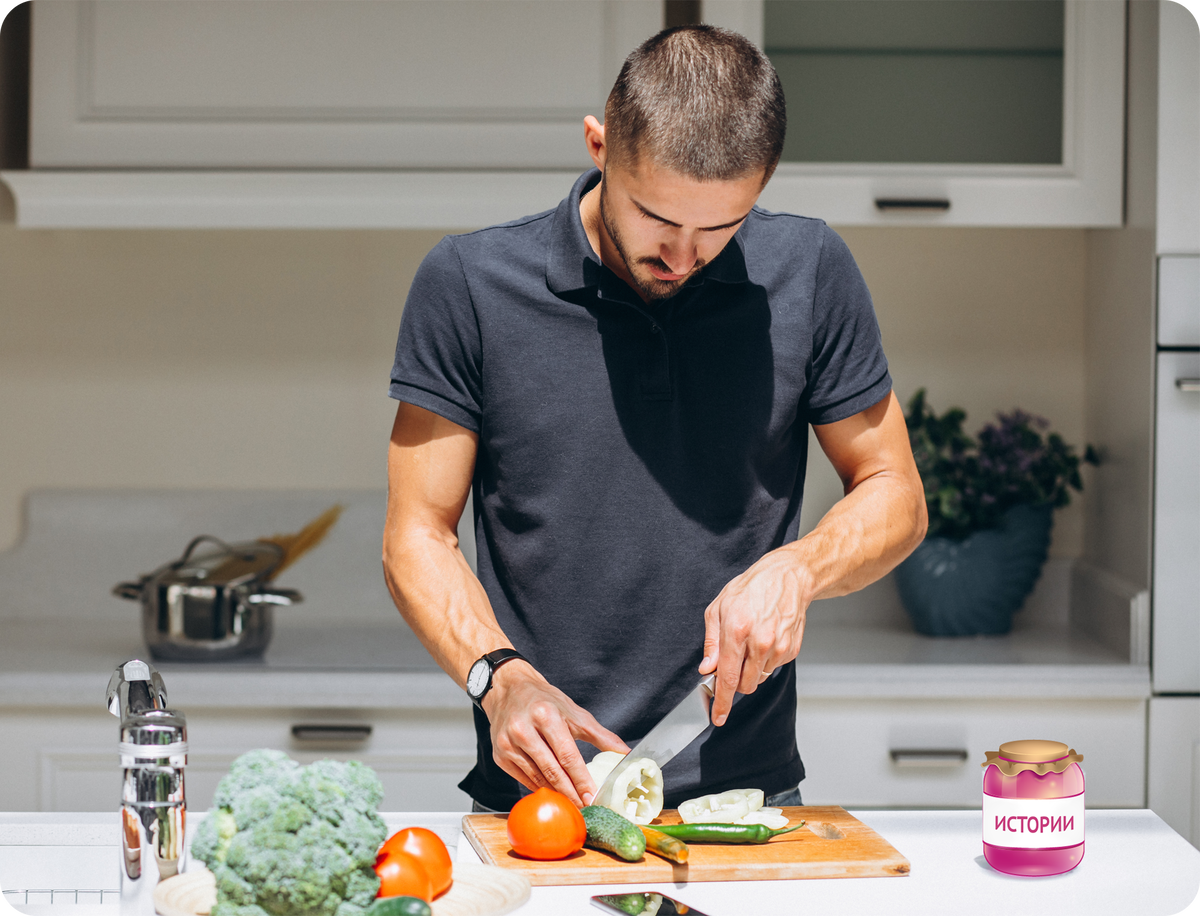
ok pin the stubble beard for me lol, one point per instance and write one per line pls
(651, 288)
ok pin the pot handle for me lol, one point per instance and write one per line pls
(129, 590)
(282, 597)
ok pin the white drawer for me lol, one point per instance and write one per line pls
(854, 750)
(67, 760)
(420, 756)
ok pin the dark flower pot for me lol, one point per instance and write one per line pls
(973, 586)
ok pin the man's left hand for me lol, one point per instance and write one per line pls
(756, 623)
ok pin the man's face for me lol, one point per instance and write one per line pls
(664, 227)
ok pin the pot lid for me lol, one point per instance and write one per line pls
(219, 563)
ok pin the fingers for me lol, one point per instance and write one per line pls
(752, 640)
(533, 740)
(712, 640)
(586, 728)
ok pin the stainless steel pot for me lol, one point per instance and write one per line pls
(212, 604)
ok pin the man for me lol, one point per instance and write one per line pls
(626, 383)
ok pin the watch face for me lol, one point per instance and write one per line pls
(477, 678)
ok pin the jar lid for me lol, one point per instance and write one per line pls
(1040, 756)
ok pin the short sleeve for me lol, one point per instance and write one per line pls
(438, 352)
(849, 370)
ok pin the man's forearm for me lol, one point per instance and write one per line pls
(439, 597)
(863, 537)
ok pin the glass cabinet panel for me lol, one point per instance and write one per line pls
(920, 81)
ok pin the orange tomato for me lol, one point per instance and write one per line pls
(429, 849)
(402, 875)
(545, 825)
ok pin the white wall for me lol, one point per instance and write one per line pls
(260, 358)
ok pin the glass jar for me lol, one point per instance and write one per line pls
(1033, 808)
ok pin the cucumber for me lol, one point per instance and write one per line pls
(632, 904)
(608, 831)
(399, 906)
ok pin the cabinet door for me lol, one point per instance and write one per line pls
(920, 112)
(1174, 756)
(918, 753)
(1175, 590)
(323, 84)
(59, 760)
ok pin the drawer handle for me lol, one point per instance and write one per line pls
(331, 732)
(912, 203)
(1188, 384)
(928, 757)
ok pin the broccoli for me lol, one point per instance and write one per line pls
(286, 840)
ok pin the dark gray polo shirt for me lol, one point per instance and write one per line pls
(634, 457)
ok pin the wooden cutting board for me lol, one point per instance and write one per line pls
(815, 851)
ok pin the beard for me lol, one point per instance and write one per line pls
(649, 286)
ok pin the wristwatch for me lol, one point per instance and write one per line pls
(479, 678)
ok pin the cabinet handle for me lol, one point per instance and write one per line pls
(912, 203)
(1188, 384)
(928, 757)
(331, 732)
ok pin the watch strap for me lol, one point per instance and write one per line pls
(500, 656)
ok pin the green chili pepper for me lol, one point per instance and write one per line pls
(723, 833)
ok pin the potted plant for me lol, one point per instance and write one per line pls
(991, 501)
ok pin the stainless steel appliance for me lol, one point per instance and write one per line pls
(211, 604)
(1176, 569)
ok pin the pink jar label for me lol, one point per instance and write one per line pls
(1033, 823)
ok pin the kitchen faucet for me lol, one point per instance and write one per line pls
(153, 749)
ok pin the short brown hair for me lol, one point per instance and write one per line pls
(699, 100)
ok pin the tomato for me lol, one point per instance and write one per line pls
(403, 875)
(545, 825)
(428, 848)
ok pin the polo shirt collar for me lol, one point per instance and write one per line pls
(573, 265)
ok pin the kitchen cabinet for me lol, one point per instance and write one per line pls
(365, 114)
(928, 752)
(874, 753)
(1176, 594)
(324, 85)
(915, 112)
(63, 759)
(1173, 788)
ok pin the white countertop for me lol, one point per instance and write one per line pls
(366, 666)
(1133, 864)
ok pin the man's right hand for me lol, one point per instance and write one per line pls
(534, 726)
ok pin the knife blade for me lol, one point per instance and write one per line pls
(675, 731)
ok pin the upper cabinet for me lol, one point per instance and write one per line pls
(412, 113)
(324, 84)
(996, 112)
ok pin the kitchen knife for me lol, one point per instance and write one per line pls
(678, 728)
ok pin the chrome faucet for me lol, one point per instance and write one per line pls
(153, 749)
